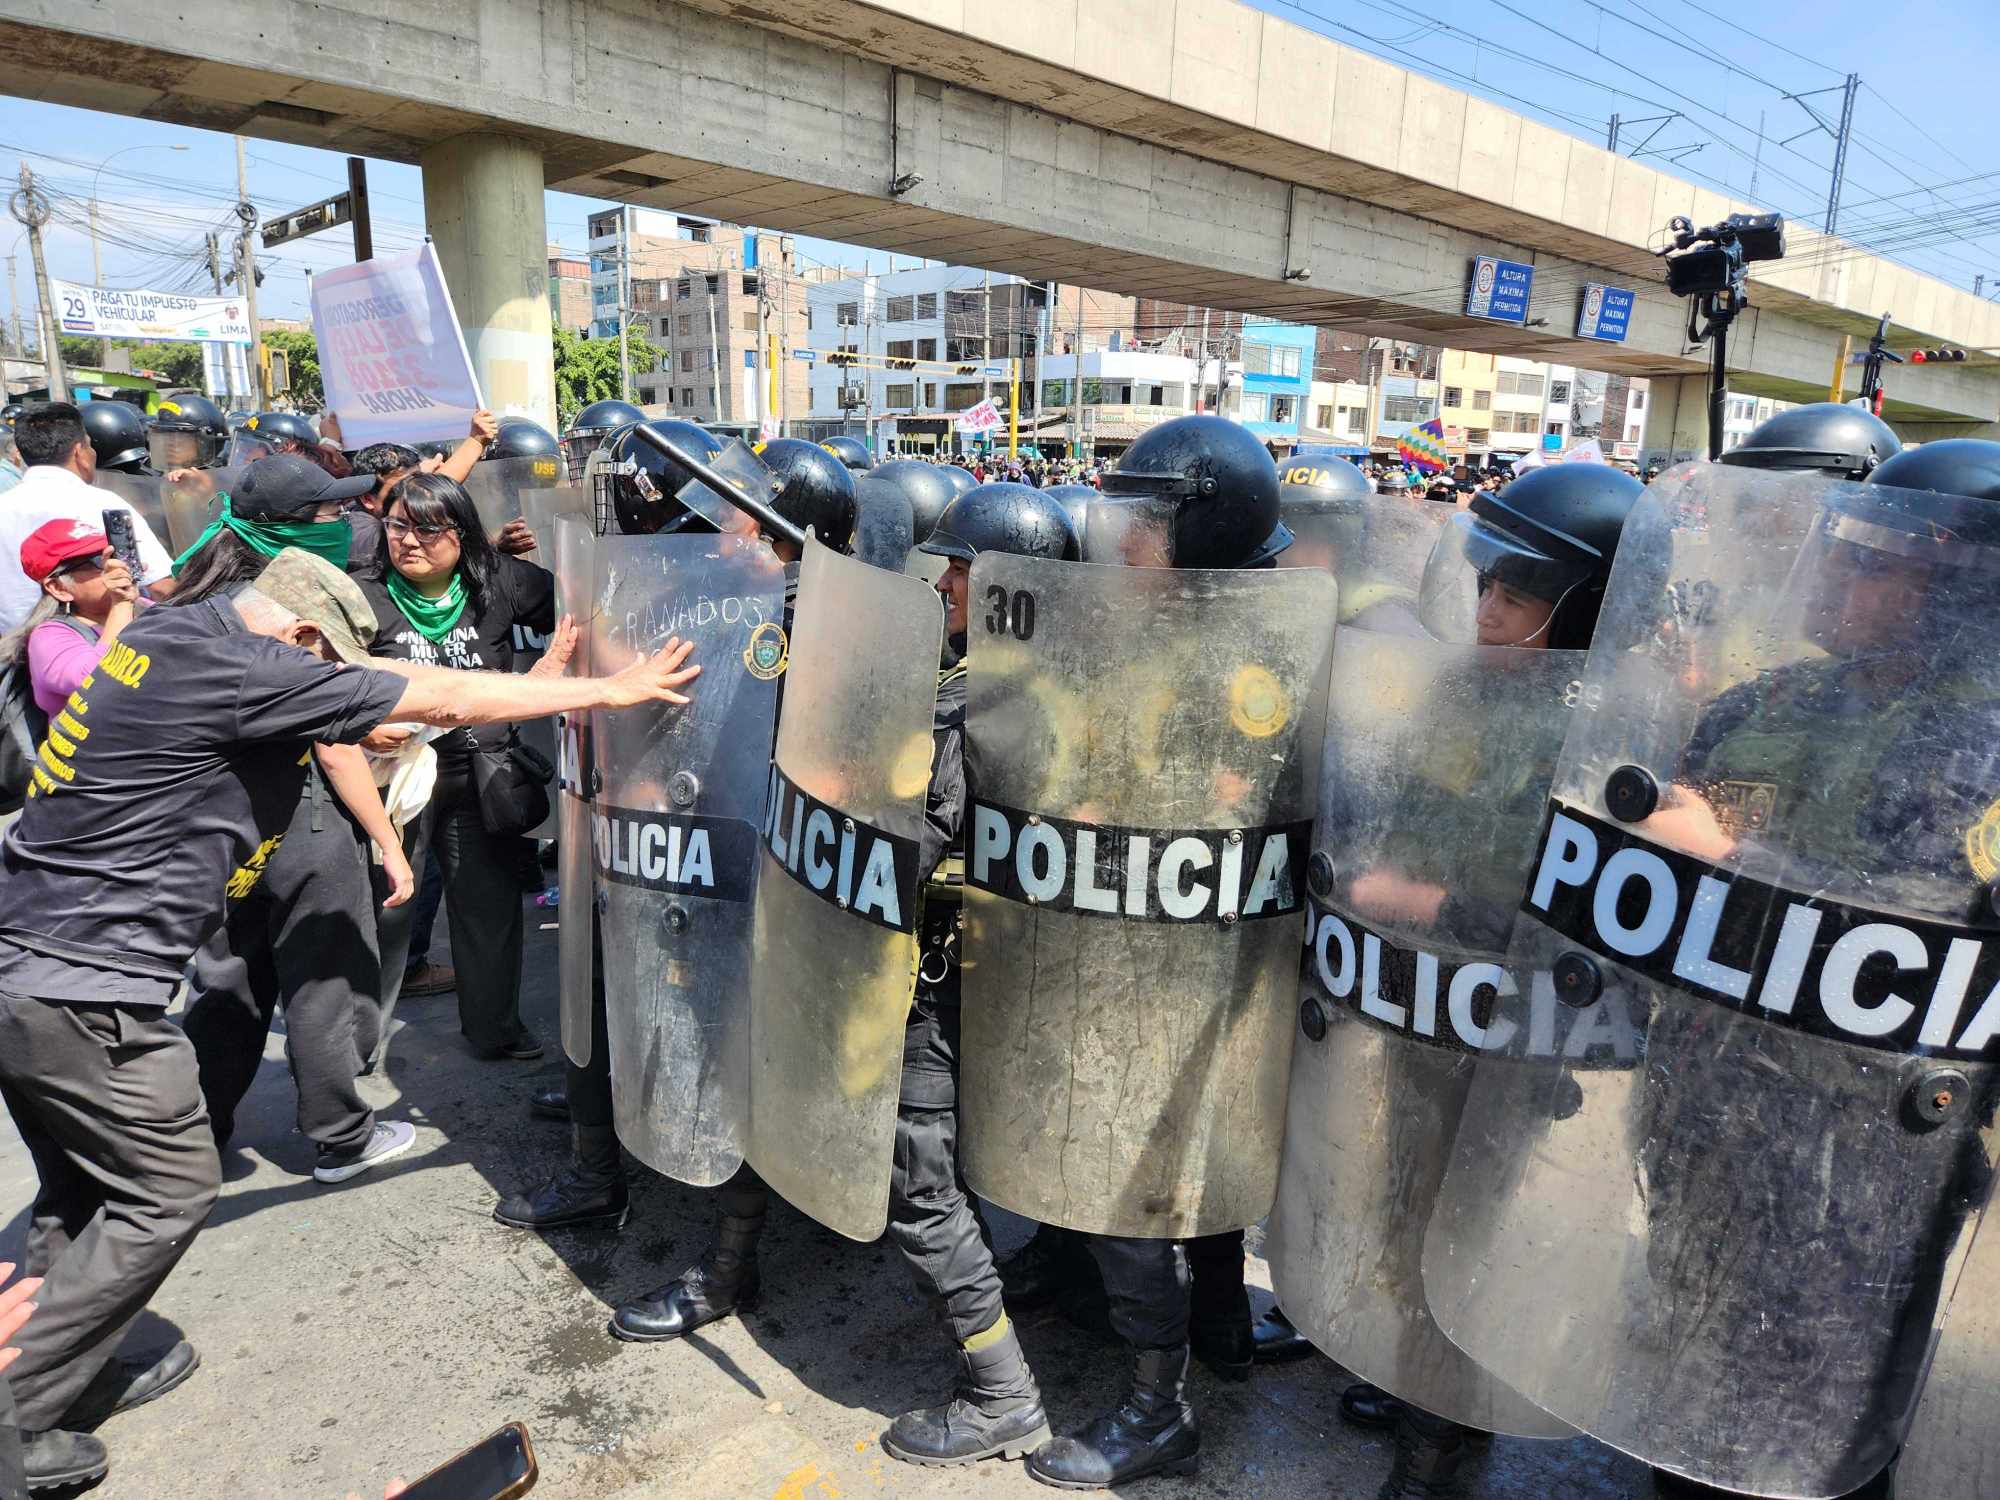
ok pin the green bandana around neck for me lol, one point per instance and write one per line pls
(432, 617)
(330, 540)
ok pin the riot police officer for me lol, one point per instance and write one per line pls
(117, 431)
(1893, 600)
(1826, 437)
(996, 1408)
(1197, 492)
(816, 493)
(188, 432)
(928, 487)
(851, 451)
(592, 426)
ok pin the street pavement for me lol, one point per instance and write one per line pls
(353, 1333)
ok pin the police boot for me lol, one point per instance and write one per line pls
(1152, 1431)
(1432, 1454)
(1370, 1406)
(588, 1192)
(995, 1409)
(550, 1103)
(723, 1281)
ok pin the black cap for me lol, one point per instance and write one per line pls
(285, 487)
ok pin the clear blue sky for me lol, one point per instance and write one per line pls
(1571, 63)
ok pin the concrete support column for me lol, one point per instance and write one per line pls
(483, 203)
(1676, 420)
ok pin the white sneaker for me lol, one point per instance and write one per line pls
(389, 1138)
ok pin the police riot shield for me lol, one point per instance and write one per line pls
(1774, 823)
(539, 507)
(192, 498)
(1374, 545)
(1143, 752)
(1954, 1444)
(575, 553)
(500, 487)
(837, 892)
(884, 530)
(1436, 772)
(142, 493)
(738, 463)
(680, 801)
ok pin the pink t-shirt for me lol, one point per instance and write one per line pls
(59, 658)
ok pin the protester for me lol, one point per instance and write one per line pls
(452, 599)
(118, 870)
(88, 597)
(56, 486)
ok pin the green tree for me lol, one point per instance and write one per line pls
(587, 369)
(301, 351)
(176, 363)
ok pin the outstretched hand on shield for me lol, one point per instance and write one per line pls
(654, 678)
(562, 645)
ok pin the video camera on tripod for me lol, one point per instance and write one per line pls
(1711, 267)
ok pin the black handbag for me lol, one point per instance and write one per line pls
(512, 780)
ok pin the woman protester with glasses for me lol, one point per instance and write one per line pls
(88, 596)
(452, 599)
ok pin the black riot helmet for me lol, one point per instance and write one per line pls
(816, 489)
(1950, 466)
(1395, 482)
(850, 451)
(645, 484)
(1549, 535)
(188, 432)
(928, 487)
(520, 438)
(593, 424)
(281, 427)
(1196, 492)
(1323, 475)
(1074, 499)
(117, 432)
(1826, 437)
(1004, 517)
(959, 477)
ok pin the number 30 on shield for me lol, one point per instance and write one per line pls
(1011, 614)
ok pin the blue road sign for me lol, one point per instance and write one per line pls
(1499, 290)
(1605, 314)
(808, 355)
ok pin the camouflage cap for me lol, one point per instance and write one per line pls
(314, 589)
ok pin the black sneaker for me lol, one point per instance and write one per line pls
(390, 1138)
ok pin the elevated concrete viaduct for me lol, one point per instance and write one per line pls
(1199, 150)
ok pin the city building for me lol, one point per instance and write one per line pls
(704, 320)
(569, 292)
(1587, 404)
(1741, 414)
(628, 244)
(1337, 415)
(1124, 392)
(1277, 360)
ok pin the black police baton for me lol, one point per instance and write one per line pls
(757, 509)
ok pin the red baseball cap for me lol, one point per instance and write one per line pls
(54, 543)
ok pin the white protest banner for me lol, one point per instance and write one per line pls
(981, 418)
(1589, 451)
(107, 313)
(391, 357)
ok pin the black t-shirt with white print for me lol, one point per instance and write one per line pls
(522, 599)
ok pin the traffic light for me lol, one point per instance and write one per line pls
(1937, 356)
(840, 357)
(901, 364)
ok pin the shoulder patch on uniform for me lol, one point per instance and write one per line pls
(1982, 844)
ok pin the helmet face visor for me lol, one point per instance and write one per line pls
(740, 465)
(170, 449)
(1135, 531)
(1484, 586)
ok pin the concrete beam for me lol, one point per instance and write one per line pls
(798, 115)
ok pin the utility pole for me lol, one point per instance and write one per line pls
(14, 308)
(1201, 369)
(1076, 391)
(1840, 151)
(625, 296)
(357, 205)
(1611, 141)
(985, 340)
(714, 353)
(761, 373)
(97, 279)
(246, 270)
(1757, 161)
(32, 209)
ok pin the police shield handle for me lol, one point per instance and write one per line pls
(742, 499)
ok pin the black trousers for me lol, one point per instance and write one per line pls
(108, 1103)
(589, 1087)
(13, 1475)
(482, 903)
(931, 1219)
(304, 937)
(1145, 1289)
